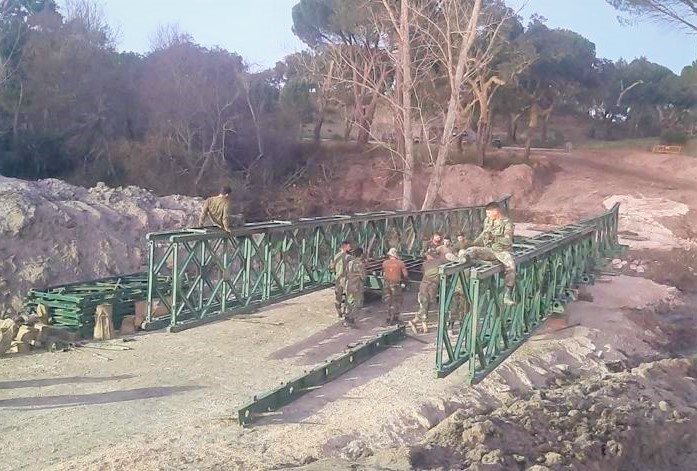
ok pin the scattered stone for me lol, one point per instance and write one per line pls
(7, 334)
(552, 459)
(493, 457)
(663, 405)
(26, 334)
(20, 347)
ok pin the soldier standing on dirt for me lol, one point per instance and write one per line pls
(338, 266)
(496, 243)
(428, 290)
(219, 208)
(395, 272)
(355, 284)
(458, 305)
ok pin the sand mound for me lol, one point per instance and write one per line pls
(52, 232)
(641, 218)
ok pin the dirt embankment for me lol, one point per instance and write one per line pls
(52, 232)
(370, 182)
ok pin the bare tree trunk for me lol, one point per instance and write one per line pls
(456, 80)
(532, 127)
(348, 121)
(15, 122)
(545, 121)
(317, 131)
(513, 120)
(546, 113)
(406, 95)
(482, 141)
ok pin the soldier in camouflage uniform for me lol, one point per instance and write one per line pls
(355, 284)
(338, 266)
(462, 243)
(432, 244)
(446, 247)
(394, 273)
(458, 305)
(428, 290)
(219, 209)
(496, 243)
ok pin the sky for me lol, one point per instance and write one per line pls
(260, 30)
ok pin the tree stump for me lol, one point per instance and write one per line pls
(103, 322)
(42, 312)
(128, 325)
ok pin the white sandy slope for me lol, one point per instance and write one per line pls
(52, 232)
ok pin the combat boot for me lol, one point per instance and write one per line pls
(508, 298)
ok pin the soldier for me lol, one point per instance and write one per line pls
(338, 266)
(496, 243)
(355, 284)
(446, 248)
(219, 208)
(458, 305)
(428, 289)
(462, 243)
(432, 244)
(394, 272)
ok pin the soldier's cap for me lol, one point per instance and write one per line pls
(392, 252)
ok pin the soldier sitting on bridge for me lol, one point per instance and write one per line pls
(219, 208)
(496, 243)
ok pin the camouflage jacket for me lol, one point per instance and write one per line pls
(338, 266)
(219, 208)
(496, 235)
(431, 270)
(355, 275)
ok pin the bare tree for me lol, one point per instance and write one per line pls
(681, 13)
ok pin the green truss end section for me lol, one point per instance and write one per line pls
(333, 368)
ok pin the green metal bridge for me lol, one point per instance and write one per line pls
(209, 274)
(200, 275)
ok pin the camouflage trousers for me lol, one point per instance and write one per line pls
(428, 292)
(458, 306)
(392, 298)
(354, 303)
(339, 299)
(506, 258)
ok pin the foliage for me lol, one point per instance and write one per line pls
(674, 137)
(679, 13)
(181, 118)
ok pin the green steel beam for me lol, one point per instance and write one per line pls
(333, 368)
(551, 266)
(212, 274)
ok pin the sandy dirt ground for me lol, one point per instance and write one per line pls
(603, 386)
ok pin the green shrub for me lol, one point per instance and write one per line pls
(674, 137)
